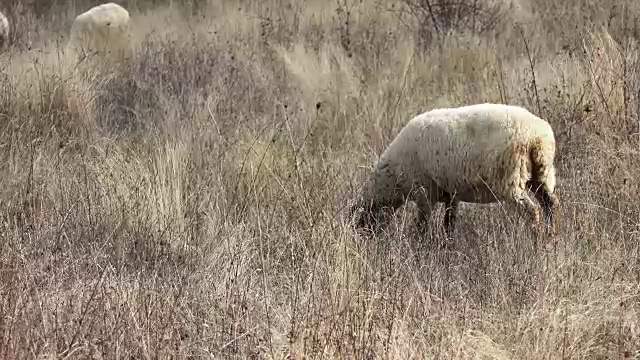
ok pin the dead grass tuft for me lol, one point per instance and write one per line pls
(190, 200)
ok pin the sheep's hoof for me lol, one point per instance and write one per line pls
(538, 232)
(446, 244)
(542, 234)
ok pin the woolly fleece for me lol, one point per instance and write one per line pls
(477, 153)
(4, 30)
(104, 27)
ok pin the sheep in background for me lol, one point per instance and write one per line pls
(104, 28)
(480, 153)
(4, 30)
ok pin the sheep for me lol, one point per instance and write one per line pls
(4, 30)
(103, 28)
(480, 153)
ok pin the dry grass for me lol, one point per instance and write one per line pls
(190, 202)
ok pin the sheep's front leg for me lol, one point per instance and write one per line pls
(426, 197)
(424, 209)
(450, 215)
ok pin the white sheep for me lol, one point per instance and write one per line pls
(103, 28)
(479, 153)
(4, 30)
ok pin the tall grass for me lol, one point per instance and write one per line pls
(190, 201)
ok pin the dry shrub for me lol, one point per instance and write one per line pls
(326, 79)
(46, 97)
(265, 168)
(190, 202)
(151, 189)
(606, 66)
(438, 19)
(469, 67)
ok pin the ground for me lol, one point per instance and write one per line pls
(191, 200)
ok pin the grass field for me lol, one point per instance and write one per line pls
(190, 202)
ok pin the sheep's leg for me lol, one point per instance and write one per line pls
(526, 202)
(426, 197)
(450, 215)
(425, 207)
(549, 203)
(422, 229)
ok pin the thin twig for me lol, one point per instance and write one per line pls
(533, 74)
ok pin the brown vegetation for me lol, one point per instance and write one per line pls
(190, 202)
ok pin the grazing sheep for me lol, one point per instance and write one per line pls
(103, 28)
(4, 30)
(478, 153)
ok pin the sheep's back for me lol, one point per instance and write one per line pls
(468, 149)
(104, 15)
(101, 26)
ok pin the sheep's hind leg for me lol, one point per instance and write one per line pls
(450, 215)
(549, 203)
(526, 202)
